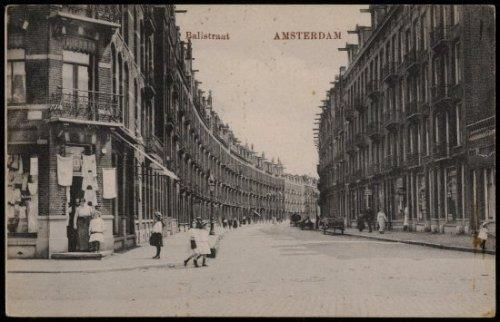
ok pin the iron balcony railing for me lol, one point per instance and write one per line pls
(412, 159)
(439, 37)
(391, 162)
(349, 114)
(359, 104)
(360, 139)
(392, 118)
(411, 109)
(389, 71)
(410, 59)
(374, 130)
(372, 88)
(439, 150)
(87, 105)
(440, 95)
(110, 13)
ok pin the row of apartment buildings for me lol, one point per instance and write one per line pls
(301, 196)
(410, 122)
(114, 84)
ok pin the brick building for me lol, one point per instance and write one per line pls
(115, 83)
(410, 122)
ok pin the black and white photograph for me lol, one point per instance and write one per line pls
(250, 160)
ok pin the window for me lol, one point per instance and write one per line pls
(455, 14)
(458, 62)
(75, 74)
(16, 77)
(457, 122)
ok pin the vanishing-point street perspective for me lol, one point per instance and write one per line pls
(250, 160)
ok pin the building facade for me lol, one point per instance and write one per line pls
(410, 122)
(102, 105)
(301, 196)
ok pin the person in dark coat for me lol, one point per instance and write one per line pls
(370, 217)
(361, 222)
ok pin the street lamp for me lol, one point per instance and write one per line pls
(211, 185)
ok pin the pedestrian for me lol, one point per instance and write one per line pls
(224, 222)
(381, 219)
(156, 238)
(96, 231)
(361, 222)
(483, 235)
(193, 246)
(406, 219)
(235, 223)
(369, 213)
(203, 244)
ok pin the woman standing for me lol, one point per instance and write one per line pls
(381, 219)
(156, 238)
(81, 223)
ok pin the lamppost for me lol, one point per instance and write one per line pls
(211, 185)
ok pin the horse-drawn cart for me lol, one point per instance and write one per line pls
(332, 224)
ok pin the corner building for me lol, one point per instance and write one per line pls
(411, 120)
(115, 83)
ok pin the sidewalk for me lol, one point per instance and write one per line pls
(173, 253)
(443, 241)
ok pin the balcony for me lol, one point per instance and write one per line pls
(154, 145)
(392, 119)
(456, 92)
(439, 38)
(374, 169)
(359, 104)
(410, 61)
(391, 163)
(360, 140)
(412, 110)
(390, 72)
(412, 159)
(439, 150)
(107, 15)
(350, 147)
(87, 107)
(374, 130)
(349, 114)
(440, 96)
(372, 89)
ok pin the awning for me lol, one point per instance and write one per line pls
(165, 170)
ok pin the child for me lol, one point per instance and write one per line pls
(96, 230)
(483, 235)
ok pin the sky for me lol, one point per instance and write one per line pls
(269, 91)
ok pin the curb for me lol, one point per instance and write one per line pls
(109, 269)
(419, 243)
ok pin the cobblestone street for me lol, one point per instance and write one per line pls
(275, 270)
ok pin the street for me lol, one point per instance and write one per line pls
(275, 270)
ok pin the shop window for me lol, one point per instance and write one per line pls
(16, 77)
(22, 193)
(451, 194)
